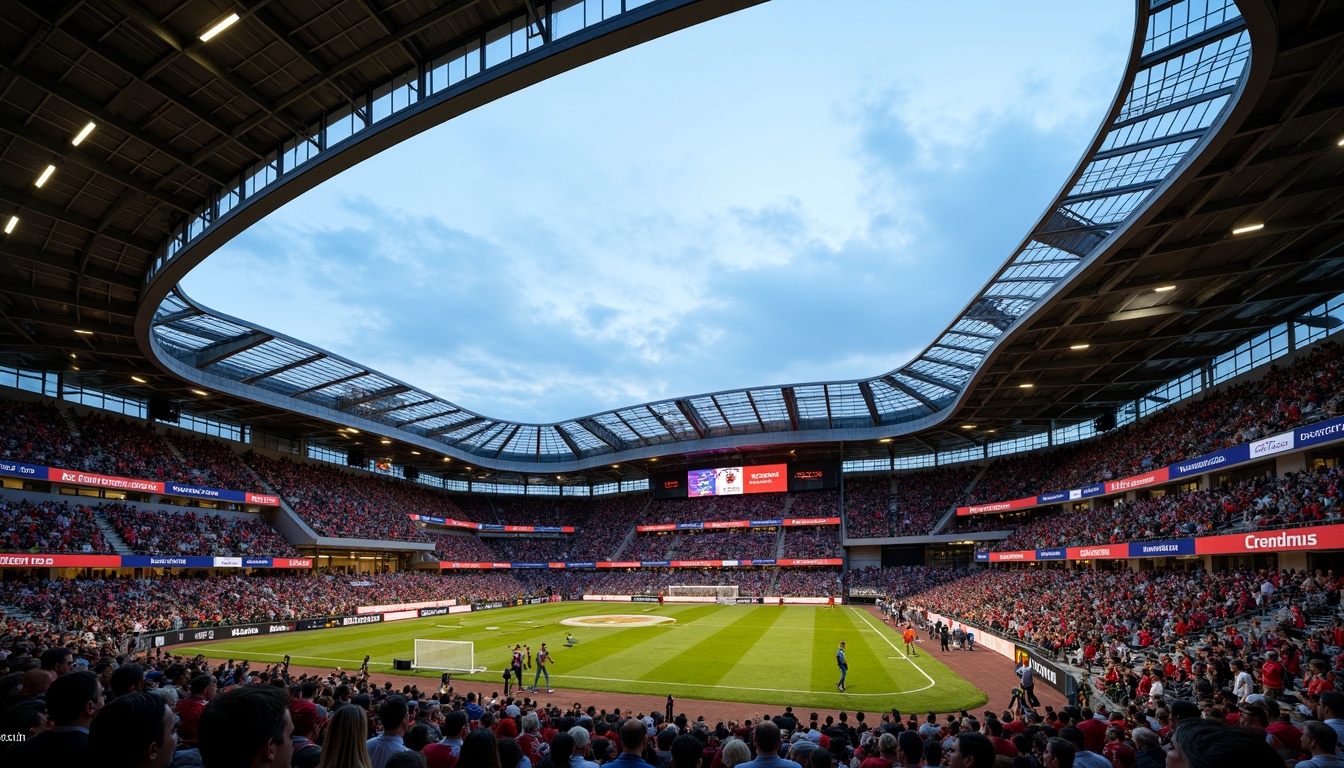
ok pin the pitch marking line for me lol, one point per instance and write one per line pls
(864, 615)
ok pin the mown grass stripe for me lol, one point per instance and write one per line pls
(715, 655)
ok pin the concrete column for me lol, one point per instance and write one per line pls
(1293, 462)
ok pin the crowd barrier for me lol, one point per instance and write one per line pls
(785, 562)
(22, 560)
(1277, 540)
(77, 477)
(1320, 433)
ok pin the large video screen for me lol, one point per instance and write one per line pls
(735, 481)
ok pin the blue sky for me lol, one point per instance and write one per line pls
(783, 195)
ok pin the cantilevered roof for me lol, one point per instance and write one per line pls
(1225, 114)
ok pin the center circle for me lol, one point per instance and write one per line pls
(618, 620)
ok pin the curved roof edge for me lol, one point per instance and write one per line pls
(1161, 122)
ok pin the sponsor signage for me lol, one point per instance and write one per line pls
(1209, 462)
(363, 609)
(1024, 556)
(1162, 548)
(399, 615)
(1156, 477)
(26, 560)
(1290, 539)
(1051, 554)
(792, 522)
(449, 522)
(228, 562)
(981, 555)
(809, 561)
(1100, 552)
(434, 611)
(1046, 671)
(350, 621)
(78, 477)
(997, 506)
(166, 561)
(1320, 432)
(1271, 445)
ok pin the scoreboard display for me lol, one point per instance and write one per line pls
(738, 480)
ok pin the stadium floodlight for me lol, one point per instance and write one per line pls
(219, 26)
(83, 134)
(1248, 228)
(1026, 385)
(46, 174)
(1080, 345)
(11, 224)
(1164, 288)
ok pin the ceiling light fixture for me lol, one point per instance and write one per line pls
(386, 441)
(1164, 288)
(223, 24)
(352, 429)
(136, 379)
(11, 224)
(968, 426)
(200, 392)
(1248, 228)
(46, 174)
(1081, 345)
(83, 134)
(885, 440)
(415, 453)
(1025, 385)
(83, 332)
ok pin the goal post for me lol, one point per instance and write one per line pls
(725, 594)
(446, 655)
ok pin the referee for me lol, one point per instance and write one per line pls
(843, 664)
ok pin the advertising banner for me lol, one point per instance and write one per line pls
(809, 521)
(19, 469)
(997, 506)
(1156, 477)
(1162, 548)
(1100, 552)
(1052, 554)
(1210, 461)
(768, 478)
(656, 528)
(1313, 537)
(1271, 445)
(26, 560)
(1020, 556)
(1320, 432)
(786, 561)
(363, 609)
(792, 522)
(166, 561)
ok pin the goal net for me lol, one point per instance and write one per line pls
(725, 594)
(447, 655)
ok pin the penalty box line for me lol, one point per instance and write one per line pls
(864, 615)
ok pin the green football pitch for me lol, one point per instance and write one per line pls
(760, 654)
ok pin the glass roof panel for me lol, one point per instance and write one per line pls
(708, 411)
(811, 401)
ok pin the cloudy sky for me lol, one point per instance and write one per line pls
(787, 194)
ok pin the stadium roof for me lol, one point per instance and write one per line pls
(1228, 116)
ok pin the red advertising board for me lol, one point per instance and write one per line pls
(728, 524)
(1315, 537)
(657, 527)
(25, 560)
(291, 562)
(997, 506)
(263, 499)
(697, 563)
(1099, 552)
(790, 522)
(767, 478)
(1023, 556)
(103, 481)
(810, 561)
(453, 565)
(1156, 477)
(619, 564)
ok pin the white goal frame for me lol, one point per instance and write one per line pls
(724, 594)
(438, 654)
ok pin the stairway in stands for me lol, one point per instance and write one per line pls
(951, 513)
(119, 545)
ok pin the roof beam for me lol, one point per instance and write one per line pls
(659, 417)
(447, 428)
(956, 348)
(401, 406)
(693, 416)
(755, 410)
(67, 323)
(253, 379)
(331, 383)
(503, 443)
(66, 297)
(927, 379)
(911, 391)
(602, 433)
(226, 348)
(38, 258)
(487, 425)
(430, 417)
(866, 390)
(791, 405)
(1193, 43)
(1100, 194)
(368, 397)
(24, 199)
(568, 441)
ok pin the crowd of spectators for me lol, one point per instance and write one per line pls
(816, 504)
(531, 548)
(606, 525)
(868, 507)
(342, 504)
(1305, 391)
(756, 506)
(809, 582)
(49, 527)
(899, 581)
(736, 544)
(212, 463)
(36, 433)
(822, 541)
(190, 533)
(1309, 496)
(463, 547)
(115, 445)
(909, 504)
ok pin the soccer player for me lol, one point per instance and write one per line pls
(660, 597)
(843, 663)
(517, 664)
(543, 659)
(909, 637)
(830, 603)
